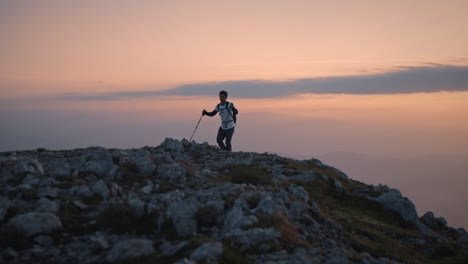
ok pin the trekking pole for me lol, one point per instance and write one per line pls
(195, 129)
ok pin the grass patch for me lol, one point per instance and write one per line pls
(289, 236)
(248, 174)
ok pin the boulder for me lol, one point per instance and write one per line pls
(429, 219)
(269, 205)
(101, 165)
(101, 188)
(299, 192)
(36, 223)
(59, 168)
(394, 201)
(30, 179)
(236, 219)
(25, 165)
(296, 209)
(83, 191)
(308, 176)
(130, 248)
(47, 192)
(174, 173)
(209, 252)
(141, 159)
(47, 206)
(168, 250)
(182, 215)
(172, 145)
(338, 186)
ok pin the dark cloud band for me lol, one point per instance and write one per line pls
(425, 79)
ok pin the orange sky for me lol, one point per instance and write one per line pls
(81, 46)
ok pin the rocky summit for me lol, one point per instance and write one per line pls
(184, 202)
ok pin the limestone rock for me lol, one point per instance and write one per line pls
(129, 249)
(182, 215)
(209, 252)
(34, 223)
(25, 165)
(174, 173)
(298, 192)
(101, 188)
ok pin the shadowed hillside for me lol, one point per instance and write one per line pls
(184, 202)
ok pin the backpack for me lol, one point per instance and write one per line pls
(234, 116)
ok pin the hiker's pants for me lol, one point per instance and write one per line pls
(225, 134)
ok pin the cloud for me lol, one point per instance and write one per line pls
(422, 79)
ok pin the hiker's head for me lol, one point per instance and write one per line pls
(223, 96)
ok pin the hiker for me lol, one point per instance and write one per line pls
(228, 113)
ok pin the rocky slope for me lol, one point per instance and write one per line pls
(185, 202)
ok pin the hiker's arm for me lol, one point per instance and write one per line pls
(234, 110)
(209, 113)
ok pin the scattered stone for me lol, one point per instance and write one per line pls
(25, 165)
(130, 248)
(298, 192)
(47, 192)
(100, 241)
(182, 215)
(296, 209)
(84, 191)
(147, 189)
(34, 223)
(172, 145)
(208, 206)
(47, 206)
(338, 186)
(80, 204)
(308, 176)
(44, 241)
(174, 173)
(59, 168)
(101, 188)
(209, 252)
(236, 219)
(169, 250)
(30, 179)
(430, 220)
(91, 178)
(101, 165)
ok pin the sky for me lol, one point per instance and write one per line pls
(380, 78)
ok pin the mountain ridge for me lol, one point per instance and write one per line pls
(185, 202)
